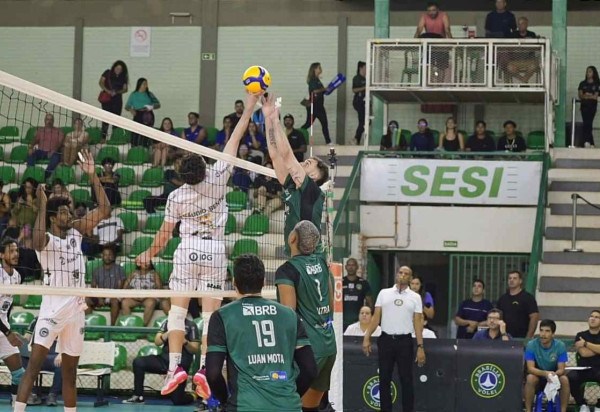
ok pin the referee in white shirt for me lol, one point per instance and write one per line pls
(400, 312)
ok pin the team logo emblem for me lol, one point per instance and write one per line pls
(278, 376)
(371, 394)
(44, 332)
(193, 257)
(76, 274)
(248, 310)
(73, 243)
(359, 287)
(398, 302)
(487, 380)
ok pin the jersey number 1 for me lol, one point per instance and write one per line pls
(265, 333)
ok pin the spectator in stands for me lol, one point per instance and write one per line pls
(451, 140)
(29, 266)
(52, 363)
(423, 140)
(108, 276)
(223, 134)
(267, 194)
(472, 312)
(360, 327)
(258, 118)
(316, 91)
(243, 178)
(356, 293)
(546, 360)
(500, 23)
(587, 343)
(25, 207)
(393, 140)
(161, 150)
(80, 210)
(110, 181)
(496, 329)
(172, 181)
(519, 307)
(511, 141)
(114, 81)
(47, 144)
(141, 104)
(75, 141)
(256, 142)
(295, 137)
(434, 23)
(195, 133)
(523, 64)
(60, 190)
(481, 140)
(237, 114)
(588, 94)
(418, 285)
(108, 233)
(4, 207)
(143, 278)
(159, 364)
(359, 85)
(12, 229)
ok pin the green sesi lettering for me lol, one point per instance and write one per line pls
(410, 176)
(470, 179)
(439, 180)
(496, 181)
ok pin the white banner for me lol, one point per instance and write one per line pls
(140, 42)
(450, 181)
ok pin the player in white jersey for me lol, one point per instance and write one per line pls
(10, 341)
(57, 241)
(200, 261)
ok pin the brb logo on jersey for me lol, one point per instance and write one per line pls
(487, 380)
(314, 269)
(371, 394)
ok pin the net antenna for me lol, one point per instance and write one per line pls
(329, 203)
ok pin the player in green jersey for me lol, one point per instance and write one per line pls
(301, 182)
(305, 284)
(262, 341)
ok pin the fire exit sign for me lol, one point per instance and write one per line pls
(450, 243)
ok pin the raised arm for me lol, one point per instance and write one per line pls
(40, 238)
(231, 147)
(91, 219)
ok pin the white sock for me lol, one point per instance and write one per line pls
(19, 407)
(202, 361)
(14, 398)
(174, 361)
(73, 409)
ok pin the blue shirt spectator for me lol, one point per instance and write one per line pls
(484, 334)
(472, 312)
(500, 23)
(423, 140)
(548, 357)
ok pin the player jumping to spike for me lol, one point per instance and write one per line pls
(63, 263)
(200, 261)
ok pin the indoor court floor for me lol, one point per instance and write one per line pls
(85, 404)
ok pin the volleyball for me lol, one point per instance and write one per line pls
(256, 79)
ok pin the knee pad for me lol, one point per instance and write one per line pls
(205, 319)
(15, 376)
(176, 318)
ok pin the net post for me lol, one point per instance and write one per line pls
(574, 248)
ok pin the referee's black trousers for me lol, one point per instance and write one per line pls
(396, 350)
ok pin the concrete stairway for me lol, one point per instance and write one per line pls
(569, 283)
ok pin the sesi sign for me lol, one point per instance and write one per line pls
(450, 181)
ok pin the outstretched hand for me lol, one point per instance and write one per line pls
(86, 162)
(40, 193)
(252, 99)
(269, 108)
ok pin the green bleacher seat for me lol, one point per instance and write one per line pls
(126, 176)
(8, 174)
(164, 270)
(120, 358)
(305, 134)
(149, 350)
(211, 135)
(66, 130)
(85, 180)
(94, 319)
(128, 268)
(152, 177)
(407, 135)
(465, 134)
(242, 246)
(119, 137)
(90, 266)
(33, 302)
(137, 156)
(30, 136)
(127, 321)
(169, 251)
(64, 173)
(436, 135)
(236, 200)
(16, 300)
(135, 201)
(18, 154)
(140, 244)
(130, 221)
(95, 134)
(231, 225)
(153, 223)
(9, 134)
(81, 195)
(179, 130)
(37, 173)
(536, 140)
(1, 154)
(107, 152)
(21, 318)
(256, 225)
(157, 323)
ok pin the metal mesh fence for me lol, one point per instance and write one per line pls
(396, 65)
(519, 65)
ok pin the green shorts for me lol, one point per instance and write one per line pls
(324, 366)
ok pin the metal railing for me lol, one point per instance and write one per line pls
(573, 113)
(574, 198)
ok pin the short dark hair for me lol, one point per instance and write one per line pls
(239, 101)
(107, 160)
(7, 241)
(110, 247)
(80, 204)
(433, 4)
(323, 171)
(57, 181)
(548, 323)
(192, 169)
(518, 272)
(248, 273)
(480, 122)
(196, 115)
(360, 65)
(53, 205)
(477, 280)
(288, 116)
(595, 311)
(498, 311)
(506, 123)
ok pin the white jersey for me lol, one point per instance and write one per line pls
(201, 208)
(7, 300)
(63, 266)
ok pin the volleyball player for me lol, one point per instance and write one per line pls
(302, 195)
(9, 341)
(305, 284)
(262, 341)
(63, 264)
(200, 261)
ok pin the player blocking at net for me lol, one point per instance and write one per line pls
(262, 341)
(9, 340)
(200, 260)
(57, 240)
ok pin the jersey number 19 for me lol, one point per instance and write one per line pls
(265, 333)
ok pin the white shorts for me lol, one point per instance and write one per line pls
(199, 264)
(6, 349)
(69, 333)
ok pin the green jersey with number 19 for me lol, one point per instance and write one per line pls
(309, 275)
(259, 337)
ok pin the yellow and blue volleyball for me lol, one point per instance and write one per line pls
(256, 79)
